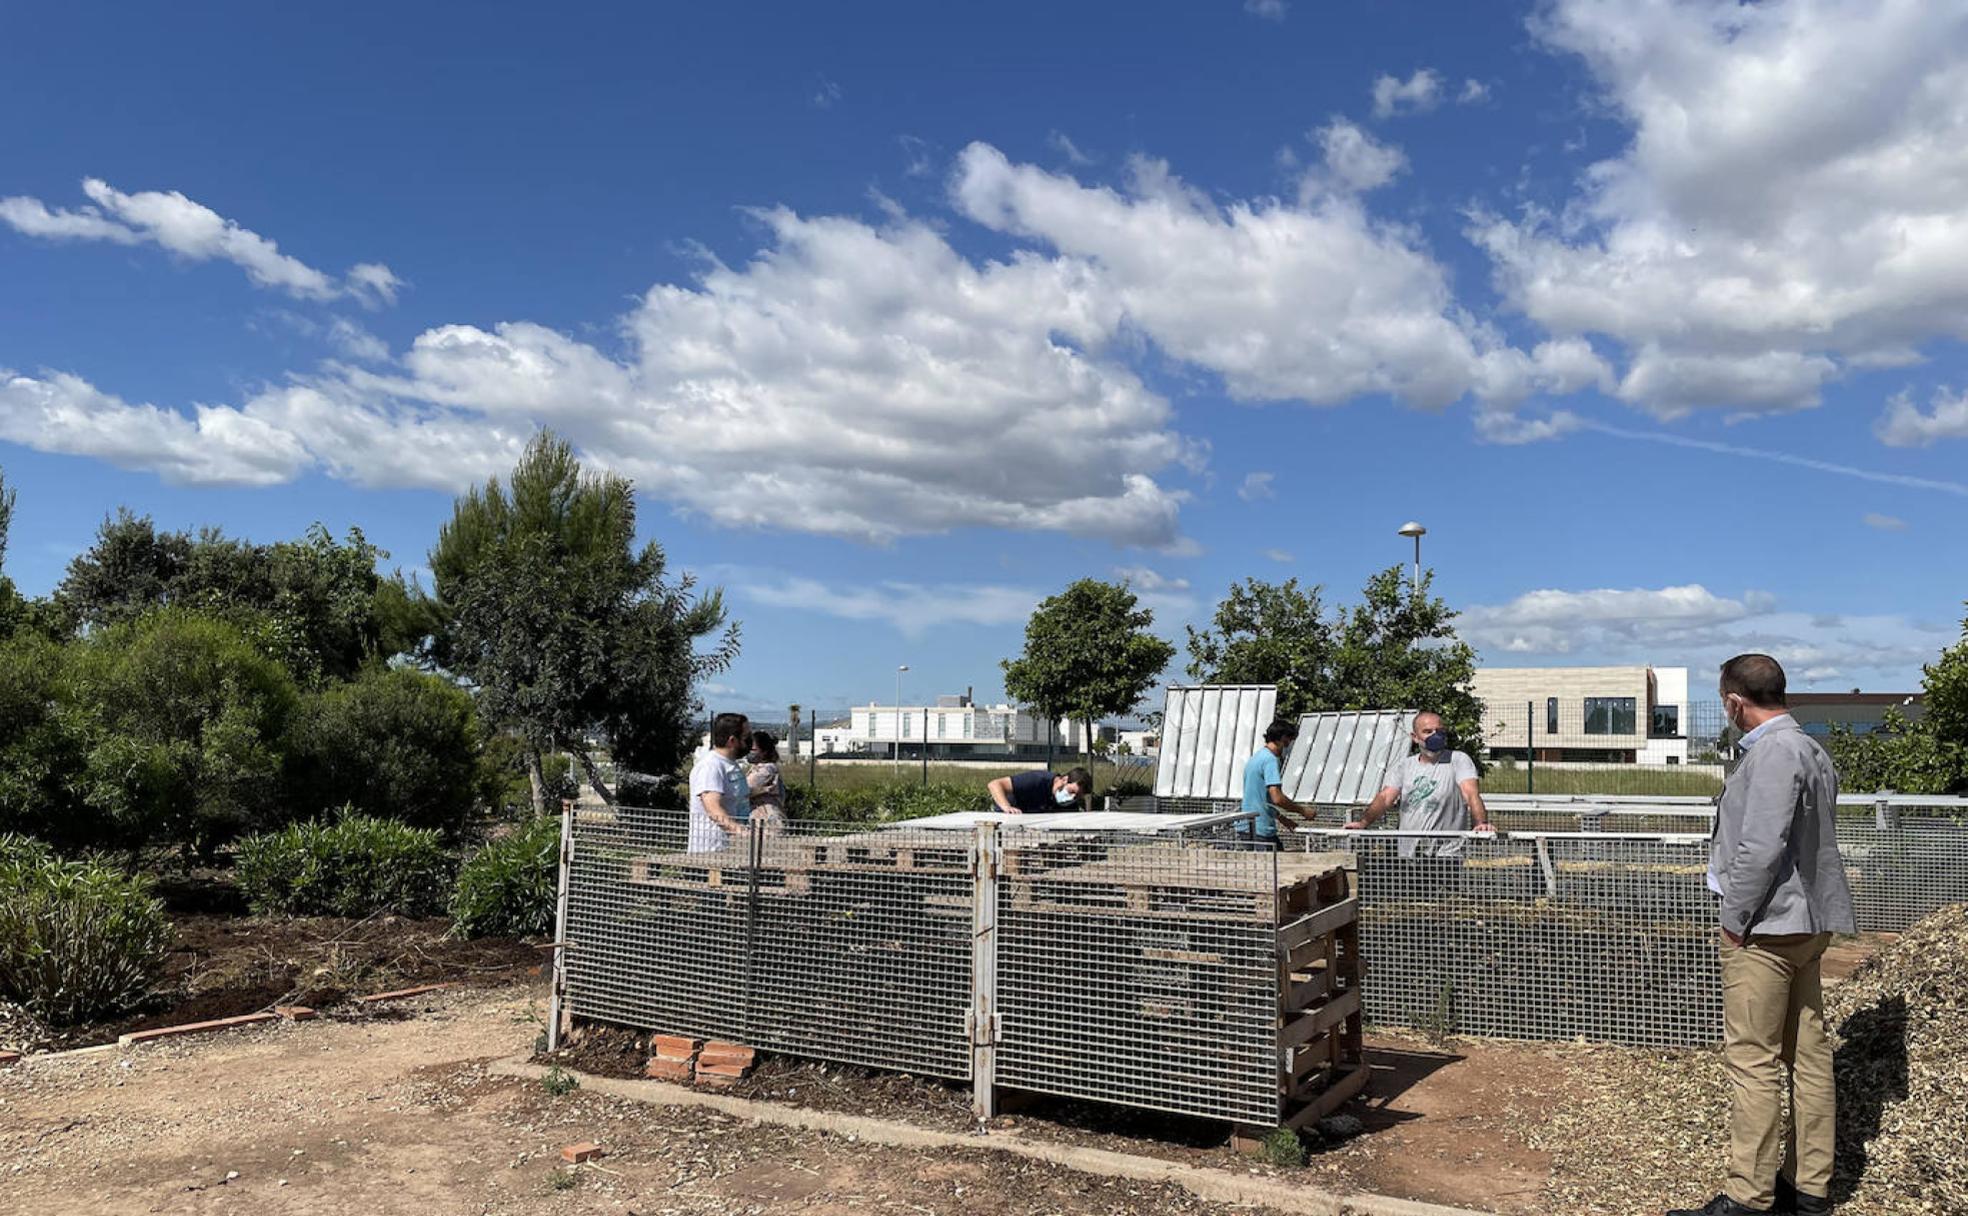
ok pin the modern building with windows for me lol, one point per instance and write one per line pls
(1859, 712)
(1621, 715)
(955, 728)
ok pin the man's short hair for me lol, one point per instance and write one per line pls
(726, 727)
(1281, 731)
(1081, 780)
(1757, 679)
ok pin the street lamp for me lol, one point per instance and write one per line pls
(898, 717)
(1411, 528)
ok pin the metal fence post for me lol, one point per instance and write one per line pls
(556, 1000)
(1530, 748)
(982, 1019)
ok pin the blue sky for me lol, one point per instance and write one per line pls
(903, 316)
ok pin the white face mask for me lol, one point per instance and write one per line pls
(1065, 796)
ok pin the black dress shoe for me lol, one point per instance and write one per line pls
(1721, 1205)
(1793, 1202)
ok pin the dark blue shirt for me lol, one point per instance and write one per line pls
(1031, 792)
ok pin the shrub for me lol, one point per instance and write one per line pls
(508, 887)
(40, 750)
(1284, 1148)
(181, 720)
(23, 850)
(77, 939)
(351, 867)
(879, 803)
(1126, 787)
(394, 744)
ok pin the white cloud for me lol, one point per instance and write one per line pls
(1280, 555)
(1884, 523)
(1256, 486)
(1510, 429)
(1693, 627)
(842, 382)
(825, 94)
(1314, 301)
(921, 161)
(1063, 144)
(1794, 197)
(1907, 481)
(1903, 425)
(355, 342)
(1355, 159)
(217, 446)
(1417, 94)
(1473, 92)
(195, 232)
(1270, 10)
(1170, 599)
(912, 609)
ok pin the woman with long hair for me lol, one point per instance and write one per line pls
(767, 788)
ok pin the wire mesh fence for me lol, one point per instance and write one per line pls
(852, 947)
(1140, 972)
(1603, 936)
(1120, 967)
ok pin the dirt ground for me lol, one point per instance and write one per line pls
(387, 1112)
(223, 964)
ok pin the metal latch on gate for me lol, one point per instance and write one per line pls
(984, 1029)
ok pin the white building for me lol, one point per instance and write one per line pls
(1630, 715)
(953, 728)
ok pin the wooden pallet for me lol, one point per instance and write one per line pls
(1321, 1049)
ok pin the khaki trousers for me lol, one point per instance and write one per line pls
(1773, 1019)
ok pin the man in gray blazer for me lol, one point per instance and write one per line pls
(1775, 864)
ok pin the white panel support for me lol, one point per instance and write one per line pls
(982, 1019)
(556, 997)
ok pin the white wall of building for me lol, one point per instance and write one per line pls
(1670, 689)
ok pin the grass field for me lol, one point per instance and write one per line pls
(863, 774)
(1634, 779)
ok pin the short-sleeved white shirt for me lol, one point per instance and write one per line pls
(716, 774)
(1432, 801)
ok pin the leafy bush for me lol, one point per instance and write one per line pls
(508, 887)
(40, 751)
(879, 803)
(181, 720)
(1127, 787)
(352, 867)
(77, 939)
(23, 850)
(393, 743)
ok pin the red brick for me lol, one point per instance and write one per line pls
(295, 1013)
(586, 1150)
(8, 1058)
(673, 1046)
(400, 993)
(668, 1070)
(721, 1070)
(172, 1032)
(727, 1053)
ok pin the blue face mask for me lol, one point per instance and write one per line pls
(1436, 742)
(1065, 796)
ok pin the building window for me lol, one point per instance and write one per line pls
(1610, 715)
(1666, 723)
(1551, 715)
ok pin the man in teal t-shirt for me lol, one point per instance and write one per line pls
(1264, 788)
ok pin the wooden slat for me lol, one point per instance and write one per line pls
(1306, 992)
(1324, 1018)
(1342, 1089)
(1319, 923)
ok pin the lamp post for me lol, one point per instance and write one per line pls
(1411, 528)
(898, 717)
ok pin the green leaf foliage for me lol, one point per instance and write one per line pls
(565, 627)
(180, 722)
(78, 940)
(1088, 654)
(1929, 756)
(508, 888)
(351, 867)
(393, 744)
(1394, 649)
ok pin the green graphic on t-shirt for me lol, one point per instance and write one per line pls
(1419, 792)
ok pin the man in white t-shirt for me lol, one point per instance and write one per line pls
(717, 786)
(1437, 789)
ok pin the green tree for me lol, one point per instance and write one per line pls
(393, 744)
(567, 630)
(1088, 654)
(41, 756)
(315, 604)
(1395, 649)
(180, 720)
(1269, 633)
(1929, 756)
